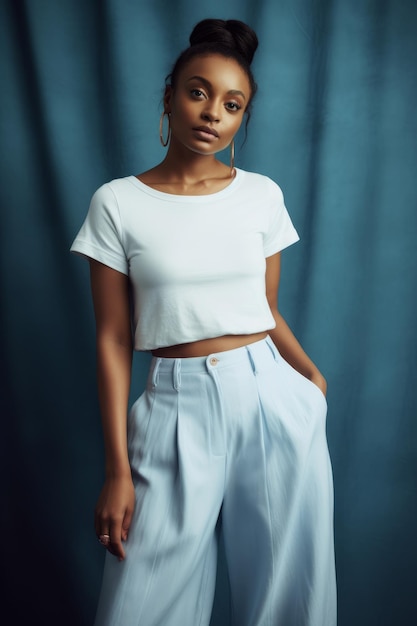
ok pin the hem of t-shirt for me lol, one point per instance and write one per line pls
(171, 197)
(282, 245)
(86, 249)
(164, 343)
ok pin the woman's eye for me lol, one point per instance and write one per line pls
(233, 106)
(197, 93)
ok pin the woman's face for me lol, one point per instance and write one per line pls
(208, 103)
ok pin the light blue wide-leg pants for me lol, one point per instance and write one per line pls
(241, 434)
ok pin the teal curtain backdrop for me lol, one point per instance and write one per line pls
(334, 124)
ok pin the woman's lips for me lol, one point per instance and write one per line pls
(206, 133)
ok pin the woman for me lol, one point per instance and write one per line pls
(231, 425)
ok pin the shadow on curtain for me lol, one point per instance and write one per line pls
(334, 124)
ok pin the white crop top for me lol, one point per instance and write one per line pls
(196, 263)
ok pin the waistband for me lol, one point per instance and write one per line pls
(254, 352)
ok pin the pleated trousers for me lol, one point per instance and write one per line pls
(241, 435)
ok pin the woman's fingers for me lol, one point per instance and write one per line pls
(113, 514)
(104, 539)
(111, 534)
(118, 533)
(115, 544)
(126, 523)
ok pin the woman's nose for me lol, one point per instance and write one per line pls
(211, 113)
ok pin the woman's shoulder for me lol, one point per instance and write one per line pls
(115, 184)
(112, 198)
(260, 182)
(115, 193)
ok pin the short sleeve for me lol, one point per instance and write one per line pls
(101, 235)
(281, 232)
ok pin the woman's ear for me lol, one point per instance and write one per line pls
(167, 99)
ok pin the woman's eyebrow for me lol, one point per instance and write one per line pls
(207, 83)
(237, 92)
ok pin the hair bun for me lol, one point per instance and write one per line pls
(228, 33)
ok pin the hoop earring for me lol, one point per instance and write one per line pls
(161, 128)
(232, 158)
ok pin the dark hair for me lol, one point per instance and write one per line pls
(229, 38)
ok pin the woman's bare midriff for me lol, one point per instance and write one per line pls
(204, 347)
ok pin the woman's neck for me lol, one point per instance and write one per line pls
(194, 175)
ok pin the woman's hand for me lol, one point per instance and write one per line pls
(282, 335)
(113, 513)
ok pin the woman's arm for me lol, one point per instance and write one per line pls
(110, 291)
(282, 335)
